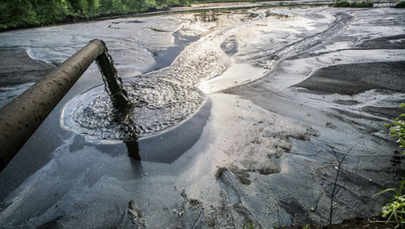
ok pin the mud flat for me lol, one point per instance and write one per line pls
(293, 94)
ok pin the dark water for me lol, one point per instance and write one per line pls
(157, 105)
(113, 84)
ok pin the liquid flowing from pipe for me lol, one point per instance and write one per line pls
(160, 99)
(164, 98)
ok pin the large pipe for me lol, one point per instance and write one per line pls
(21, 117)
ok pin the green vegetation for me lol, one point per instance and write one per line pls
(400, 5)
(250, 225)
(398, 129)
(395, 208)
(31, 13)
(354, 4)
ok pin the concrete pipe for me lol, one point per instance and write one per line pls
(20, 118)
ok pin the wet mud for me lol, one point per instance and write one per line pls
(290, 130)
(18, 73)
(350, 79)
(18, 68)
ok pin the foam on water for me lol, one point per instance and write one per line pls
(158, 105)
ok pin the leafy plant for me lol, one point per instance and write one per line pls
(398, 129)
(31, 13)
(400, 5)
(250, 226)
(396, 207)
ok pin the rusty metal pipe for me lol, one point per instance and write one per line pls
(21, 117)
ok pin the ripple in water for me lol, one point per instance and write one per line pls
(162, 98)
(158, 105)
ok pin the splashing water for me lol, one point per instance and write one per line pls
(113, 83)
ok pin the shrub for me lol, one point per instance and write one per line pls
(31, 13)
(400, 5)
(395, 209)
(398, 129)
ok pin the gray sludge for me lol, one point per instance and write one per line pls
(161, 99)
(268, 59)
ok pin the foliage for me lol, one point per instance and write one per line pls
(250, 226)
(31, 13)
(396, 207)
(354, 4)
(400, 5)
(398, 129)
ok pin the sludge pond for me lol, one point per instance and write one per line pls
(242, 117)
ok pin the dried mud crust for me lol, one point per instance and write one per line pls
(355, 223)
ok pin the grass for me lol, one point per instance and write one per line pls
(249, 225)
(395, 208)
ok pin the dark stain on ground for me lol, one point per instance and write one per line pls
(241, 174)
(169, 146)
(396, 160)
(346, 102)
(392, 42)
(350, 79)
(230, 46)
(388, 112)
(29, 70)
(165, 58)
